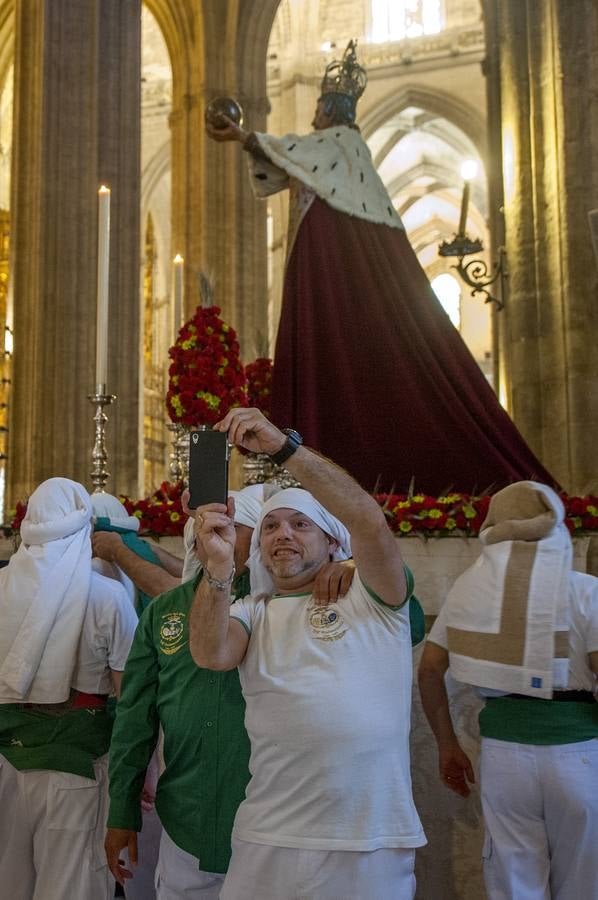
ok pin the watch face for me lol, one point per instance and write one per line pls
(293, 435)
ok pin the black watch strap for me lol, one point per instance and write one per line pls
(293, 441)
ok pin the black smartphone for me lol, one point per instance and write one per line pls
(208, 467)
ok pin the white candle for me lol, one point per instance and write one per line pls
(178, 265)
(464, 208)
(103, 281)
(469, 170)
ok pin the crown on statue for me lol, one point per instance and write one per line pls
(345, 76)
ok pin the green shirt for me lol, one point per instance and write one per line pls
(206, 748)
(534, 721)
(68, 742)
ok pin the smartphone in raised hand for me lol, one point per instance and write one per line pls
(208, 467)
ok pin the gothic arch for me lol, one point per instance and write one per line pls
(464, 117)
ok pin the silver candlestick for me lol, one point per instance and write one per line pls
(99, 457)
(179, 457)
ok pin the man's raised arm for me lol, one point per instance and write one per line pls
(375, 550)
(215, 640)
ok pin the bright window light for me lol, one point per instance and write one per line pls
(394, 20)
(448, 292)
(469, 169)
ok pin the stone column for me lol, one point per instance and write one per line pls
(77, 123)
(548, 69)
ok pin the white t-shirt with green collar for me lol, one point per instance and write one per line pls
(328, 694)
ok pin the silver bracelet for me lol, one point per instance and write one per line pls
(220, 585)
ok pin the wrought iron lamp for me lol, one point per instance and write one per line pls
(474, 273)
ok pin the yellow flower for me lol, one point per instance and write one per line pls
(210, 400)
(403, 504)
(418, 498)
(174, 516)
(434, 513)
(138, 514)
(175, 379)
(405, 527)
(469, 511)
(450, 524)
(593, 511)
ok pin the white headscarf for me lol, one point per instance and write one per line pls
(301, 501)
(106, 506)
(44, 592)
(525, 521)
(248, 505)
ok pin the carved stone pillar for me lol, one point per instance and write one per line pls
(77, 124)
(234, 243)
(548, 70)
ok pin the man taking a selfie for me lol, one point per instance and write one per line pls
(328, 810)
(206, 749)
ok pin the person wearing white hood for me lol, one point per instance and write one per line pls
(143, 567)
(329, 811)
(522, 627)
(206, 749)
(64, 637)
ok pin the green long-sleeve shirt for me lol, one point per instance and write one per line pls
(206, 748)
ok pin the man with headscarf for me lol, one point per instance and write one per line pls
(359, 312)
(206, 749)
(144, 568)
(522, 627)
(328, 811)
(64, 637)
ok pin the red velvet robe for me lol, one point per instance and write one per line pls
(369, 368)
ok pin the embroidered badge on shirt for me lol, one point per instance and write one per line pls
(326, 623)
(172, 636)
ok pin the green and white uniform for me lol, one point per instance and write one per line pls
(206, 749)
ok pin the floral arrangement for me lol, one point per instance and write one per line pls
(463, 515)
(457, 514)
(206, 377)
(161, 513)
(259, 384)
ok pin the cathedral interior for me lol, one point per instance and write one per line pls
(115, 92)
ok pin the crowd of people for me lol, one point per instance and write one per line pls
(260, 746)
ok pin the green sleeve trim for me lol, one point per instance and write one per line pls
(410, 584)
(244, 624)
(125, 814)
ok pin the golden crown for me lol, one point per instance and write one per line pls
(345, 76)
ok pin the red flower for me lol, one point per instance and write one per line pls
(206, 377)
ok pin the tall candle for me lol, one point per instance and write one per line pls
(178, 265)
(469, 170)
(103, 281)
(464, 207)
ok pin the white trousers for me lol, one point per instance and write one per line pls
(52, 827)
(142, 885)
(260, 872)
(178, 876)
(541, 813)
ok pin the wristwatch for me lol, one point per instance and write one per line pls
(293, 441)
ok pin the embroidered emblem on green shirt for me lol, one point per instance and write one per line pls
(172, 633)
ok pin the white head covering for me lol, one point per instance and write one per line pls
(44, 592)
(106, 506)
(516, 592)
(248, 505)
(301, 501)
